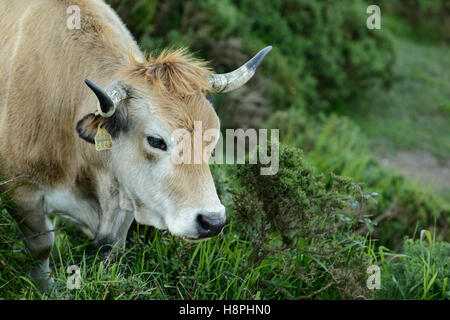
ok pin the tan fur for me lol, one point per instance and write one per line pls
(43, 95)
(173, 72)
(43, 65)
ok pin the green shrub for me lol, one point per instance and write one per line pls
(323, 51)
(335, 144)
(426, 20)
(422, 273)
(295, 223)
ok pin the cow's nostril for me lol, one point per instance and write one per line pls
(203, 222)
(209, 226)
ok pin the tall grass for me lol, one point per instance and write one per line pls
(422, 272)
(154, 265)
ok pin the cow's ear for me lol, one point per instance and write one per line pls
(88, 126)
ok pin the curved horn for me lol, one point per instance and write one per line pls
(106, 104)
(108, 100)
(233, 80)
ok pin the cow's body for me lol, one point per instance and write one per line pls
(42, 71)
(43, 65)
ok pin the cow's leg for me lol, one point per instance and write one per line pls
(39, 241)
(37, 230)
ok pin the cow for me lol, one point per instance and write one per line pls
(86, 123)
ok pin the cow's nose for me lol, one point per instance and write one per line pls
(209, 225)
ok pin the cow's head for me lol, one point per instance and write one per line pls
(143, 112)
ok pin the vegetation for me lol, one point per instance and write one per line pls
(423, 271)
(343, 97)
(321, 53)
(422, 20)
(335, 144)
(298, 243)
(418, 119)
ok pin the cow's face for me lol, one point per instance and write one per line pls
(164, 130)
(170, 191)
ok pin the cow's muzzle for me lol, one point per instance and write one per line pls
(209, 225)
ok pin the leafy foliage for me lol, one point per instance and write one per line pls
(323, 52)
(423, 20)
(335, 144)
(422, 273)
(296, 217)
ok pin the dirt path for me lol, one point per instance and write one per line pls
(422, 166)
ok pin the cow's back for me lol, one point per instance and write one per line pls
(42, 71)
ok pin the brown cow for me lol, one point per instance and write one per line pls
(50, 120)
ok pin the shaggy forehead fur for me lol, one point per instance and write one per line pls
(173, 72)
(177, 83)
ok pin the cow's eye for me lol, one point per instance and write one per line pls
(157, 142)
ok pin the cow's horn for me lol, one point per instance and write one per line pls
(106, 104)
(233, 80)
(108, 100)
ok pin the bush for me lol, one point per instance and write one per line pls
(335, 144)
(323, 52)
(426, 20)
(422, 273)
(295, 223)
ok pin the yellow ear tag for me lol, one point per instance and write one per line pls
(103, 140)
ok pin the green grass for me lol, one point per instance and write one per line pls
(158, 266)
(310, 253)
(415, 112)
(421, 273)
(154, 265)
